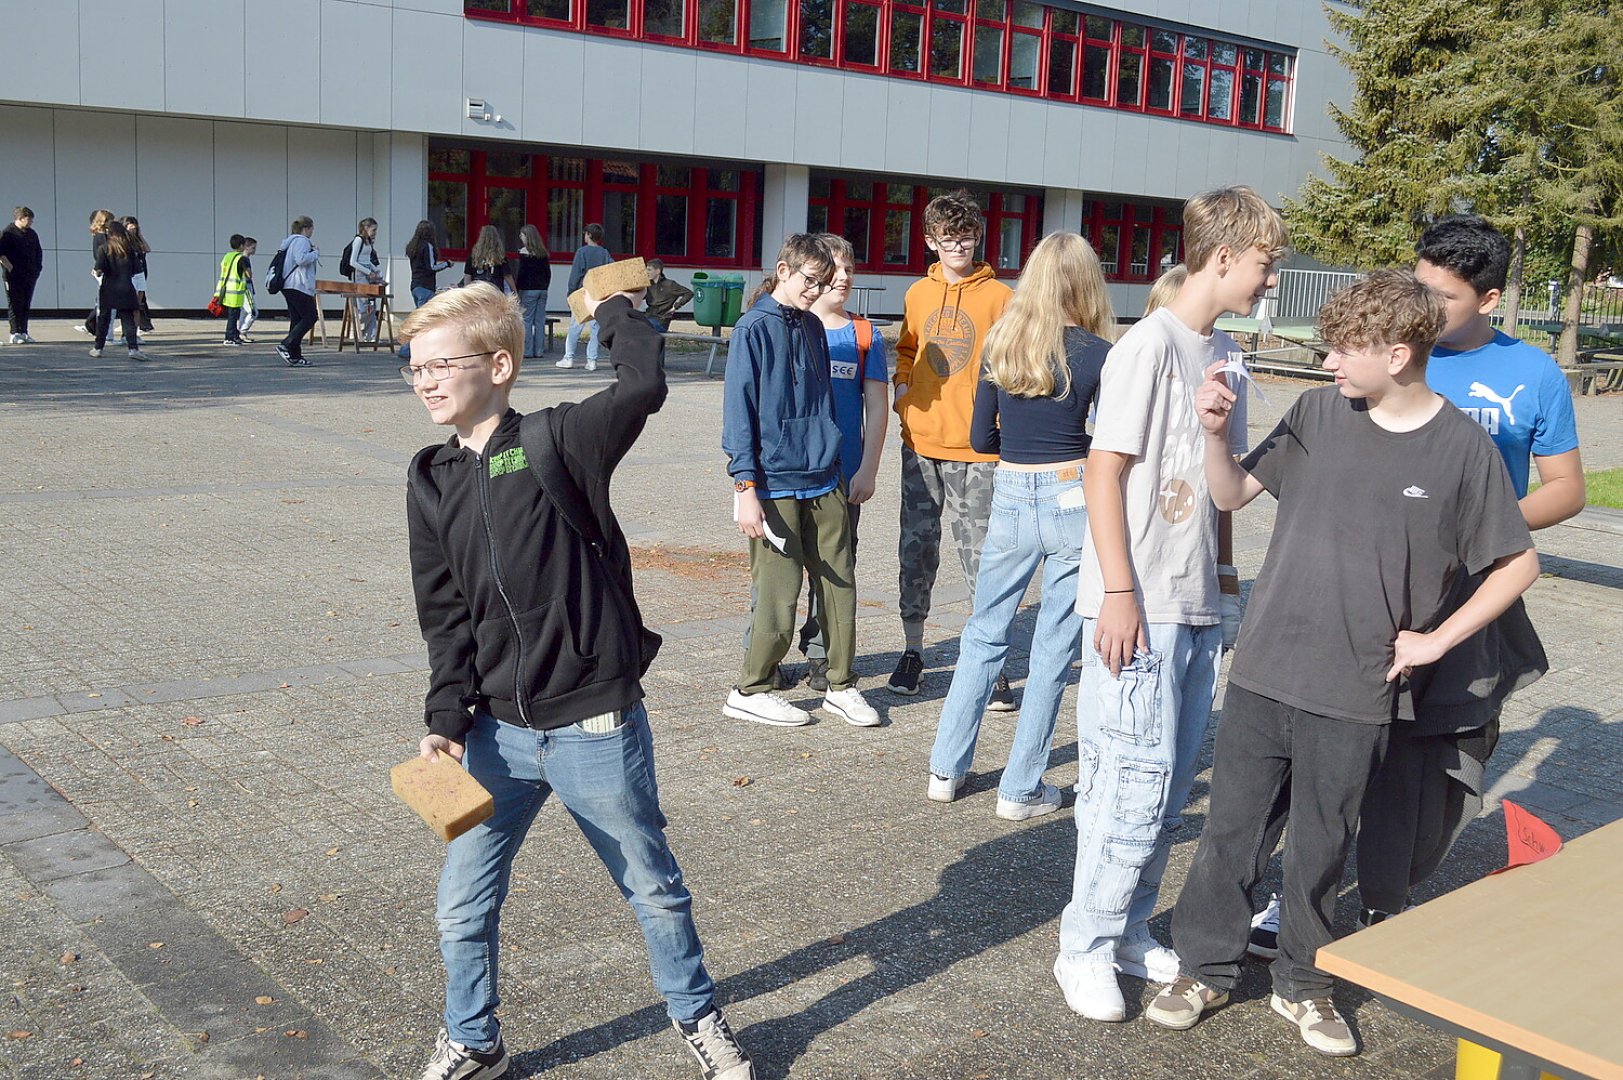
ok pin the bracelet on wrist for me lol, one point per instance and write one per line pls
(1109, 591)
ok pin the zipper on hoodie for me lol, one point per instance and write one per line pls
(501, 589)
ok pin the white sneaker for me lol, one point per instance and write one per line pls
(848, 705)
(1046, 802)
(765, 708)
(1090, 988)
(716, 1049)
(1321, 1025)
(566, 362)
(1142, 956)
(15, 339)
(453, 1061)
(945, 788)
(137, 354)
(28, 339)
(1264, 939)
(591, 365)
(95, 352)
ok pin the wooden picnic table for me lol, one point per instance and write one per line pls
(349, 327)
(1515, 962)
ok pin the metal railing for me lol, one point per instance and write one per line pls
(1300, 293)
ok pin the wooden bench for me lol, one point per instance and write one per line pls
(1596, 371)
(349, 328)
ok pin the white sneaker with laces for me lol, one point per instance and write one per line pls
(453, 1061)
(1322, 1027)
(767, 708)
(716, 1049)
(95, 352)
(566, 362)
(849, 705)
(1141, 955)
(1046, 802)
(28, 339)
(945, 788)
(591, 365)
(1091, 989)
(15, 339)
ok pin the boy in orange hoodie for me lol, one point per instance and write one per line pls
(938, 366)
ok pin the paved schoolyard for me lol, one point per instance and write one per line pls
(211, 660)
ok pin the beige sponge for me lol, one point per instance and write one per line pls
(443, 794)
(577, 306)
(627, 275)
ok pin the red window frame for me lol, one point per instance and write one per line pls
(840, 199)
(1162, 224)
(538, 186)
(969, 20)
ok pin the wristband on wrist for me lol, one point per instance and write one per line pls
(1109, 591)
(742, 486)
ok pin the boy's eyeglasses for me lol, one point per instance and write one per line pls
(812, 283)
(956, 243)
(439, 369)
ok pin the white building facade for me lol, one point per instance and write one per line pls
(700, 131)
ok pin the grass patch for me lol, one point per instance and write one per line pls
(1605, 488)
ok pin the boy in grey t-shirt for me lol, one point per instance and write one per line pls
(1386, 495)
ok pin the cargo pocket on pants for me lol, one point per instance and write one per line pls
(1116, 875)
(1130, 704)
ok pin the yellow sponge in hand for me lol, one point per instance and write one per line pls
(627, 275)
(443, 794)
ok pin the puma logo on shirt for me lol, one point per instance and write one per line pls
(1489, 418)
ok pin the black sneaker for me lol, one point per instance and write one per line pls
(716, 1049)
(905, 679)
(817, 674)
(231, 342)
(1002, 699)
(1264, 940)
(287, 358)
(783, 678)
(301, 362)
(453, 1061)
(1368, 917)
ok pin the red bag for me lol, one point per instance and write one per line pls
(216, 308)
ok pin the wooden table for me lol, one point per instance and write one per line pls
(1521, 962)
(349, 328)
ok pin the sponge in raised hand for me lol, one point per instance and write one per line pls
(443, 794)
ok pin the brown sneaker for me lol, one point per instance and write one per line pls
(1180, 1005)
(1322, 1027)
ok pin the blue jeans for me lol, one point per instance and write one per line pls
(606, 782)
(572, 338)
(1028, 528)
(534, 304)
(1138, 745)
(420, 295)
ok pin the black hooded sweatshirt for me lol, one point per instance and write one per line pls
(522, 616)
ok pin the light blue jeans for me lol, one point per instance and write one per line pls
(534, 303)
(572, 338)
(606, 782)
(1138, 745)
(1028, 528)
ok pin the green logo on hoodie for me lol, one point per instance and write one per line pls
(508, 461)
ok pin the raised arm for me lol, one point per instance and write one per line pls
(598, 432)
(1232, 487)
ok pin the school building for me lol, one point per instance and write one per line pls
(700, 131)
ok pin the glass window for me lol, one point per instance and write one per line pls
(1110, 248)
(566, 218)
(498, 163)
(861, 43)
(609, 14)
(1061, 67)
(821, 187)
(1132, 36)
(677, 176)
(1221, 105)
(449, 161)
(448, 210)
(954, 7)
(1014, 204)
(1024, 52)
(720, 228)
(1253, 59)
(817, 29)
(1275, 115)
(664, 17)
(1164, 41)
(621, 172)
(724, 179)
(505, 209)
(1140, 263)
(906, 37)
(561, 10)
(946, 49)
(1029, 14)
(1065, 22)
(717, 21)
(996, 10)
(1160, 83)
(817, 219)
(1278, 64)
(898, 236)
(767, 24)
(487, 5)
(859, 190)
(1008, 243)
(568, 170)
(620, 221)
(1129, 77)
(1194, 48)
(856, 231)
(1250, 99)
(1224, 53)
(899, 194)
(1096, 72)
(988, 55)
(671, 224)
(1194, 88)
(1099, 28)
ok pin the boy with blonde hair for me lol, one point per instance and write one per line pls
(1149, 601)
(520, 569)
(1387, 494)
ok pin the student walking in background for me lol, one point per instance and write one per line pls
(590, 253)
(426, 264)
(365, 269)
(1041, 364)
(115, 274)
(140, 249)
(98, 242)
(233, 287)
(299, 260)
(534, 279)
(23, 259)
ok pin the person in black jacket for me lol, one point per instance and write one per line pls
(426, 264)
(22, 259)
(537, 650)
(116, 267)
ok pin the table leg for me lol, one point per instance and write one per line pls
(711, 362)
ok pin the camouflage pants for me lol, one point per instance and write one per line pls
(930, 487)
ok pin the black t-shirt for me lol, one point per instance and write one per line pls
(23, 249)
(497, 275)
(1373, 529)
(534, 273)
(1036, 431)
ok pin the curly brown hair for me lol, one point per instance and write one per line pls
(1389, 307)
(954, 214)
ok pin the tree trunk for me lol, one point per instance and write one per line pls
(1577, 275)
(1512, 305)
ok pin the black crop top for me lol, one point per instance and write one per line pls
(1037, 431)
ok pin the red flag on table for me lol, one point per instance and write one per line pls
(1530, 839)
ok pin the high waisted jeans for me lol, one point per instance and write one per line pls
(606, 782)
(1038, 519)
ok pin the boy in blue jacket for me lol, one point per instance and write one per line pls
(779, 432)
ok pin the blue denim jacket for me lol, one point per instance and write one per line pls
(777, 418)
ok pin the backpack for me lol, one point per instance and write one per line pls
(346, 265)
(276, 276)
(864, 330)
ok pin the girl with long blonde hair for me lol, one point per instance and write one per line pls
(488, 261)
(1041, 363)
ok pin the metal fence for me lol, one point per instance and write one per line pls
(1301, 293)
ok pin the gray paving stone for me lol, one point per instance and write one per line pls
(64, 854)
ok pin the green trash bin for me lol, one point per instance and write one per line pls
(733, 304)
(709, 300)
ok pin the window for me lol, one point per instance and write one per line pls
(505, 209)
(1135, 241)
(1007, 46)
(885, 223)
(448, 210)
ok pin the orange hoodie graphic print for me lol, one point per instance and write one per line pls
(938, 358)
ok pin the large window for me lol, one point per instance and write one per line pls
(885, 222)
(1135, 241)
(1012, 46)
(685, 214)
